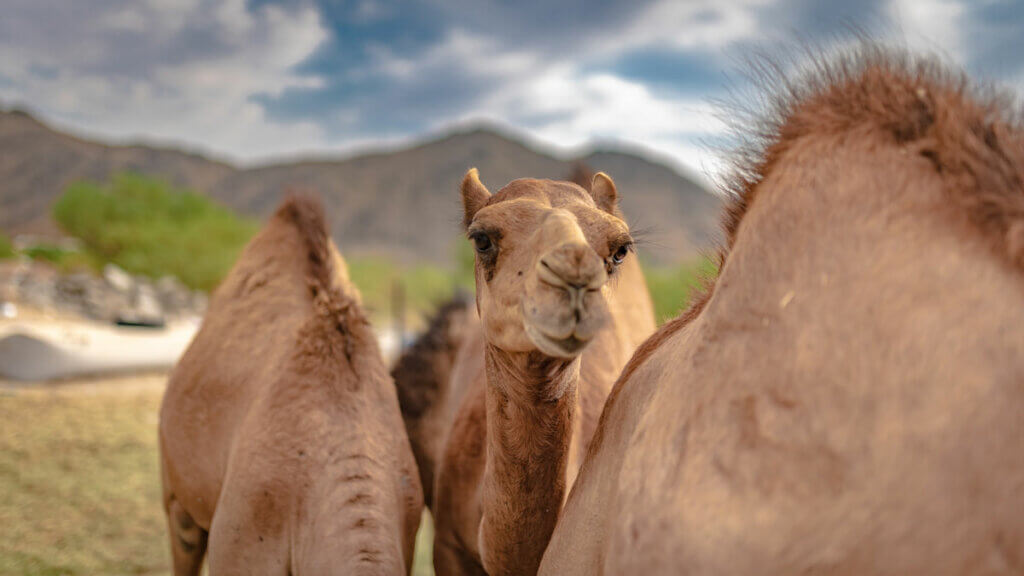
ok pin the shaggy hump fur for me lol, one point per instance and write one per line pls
(305, 213)
(973, 137)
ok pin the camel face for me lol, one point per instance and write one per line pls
(545, 252)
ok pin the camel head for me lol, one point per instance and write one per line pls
(545, 251)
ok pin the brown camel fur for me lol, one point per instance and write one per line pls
(848, 397)
(422, 375)
(280, 433)
(562, 305)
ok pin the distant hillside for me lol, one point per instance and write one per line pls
(403, 202)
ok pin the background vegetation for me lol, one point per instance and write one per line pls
(6, 248)
(672, 287)
(147, 227)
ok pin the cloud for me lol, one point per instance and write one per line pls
(566, 107)
(179, 71)
(933, 26)
(566, 97)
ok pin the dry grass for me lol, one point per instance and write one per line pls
(79, 480)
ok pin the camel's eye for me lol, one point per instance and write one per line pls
(482, 242)
(620, 254)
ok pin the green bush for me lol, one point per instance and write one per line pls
(6, 247)
(672, 288)
(426, 286)
(148, 227)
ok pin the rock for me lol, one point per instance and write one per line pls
(37, 287)
(146, 303)
(119, 279)
(114, 297)
(175, 298)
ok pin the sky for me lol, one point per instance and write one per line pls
(254, 80)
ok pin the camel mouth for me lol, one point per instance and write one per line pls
(570, 347)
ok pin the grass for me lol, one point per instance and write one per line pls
(425, 287)
(79, 482)
(6, 247)
(672, 287)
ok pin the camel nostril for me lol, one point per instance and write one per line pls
(574, 267)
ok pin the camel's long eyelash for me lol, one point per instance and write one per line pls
(489, 258)
(623, 240)
(493, 234)
(610, 266)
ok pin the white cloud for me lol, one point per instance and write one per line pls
(569, 109)
(202, 99)
(705, 25)
(470, 53)
(935, 26)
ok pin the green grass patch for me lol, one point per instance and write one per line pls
(673, 287)
(380, 281)
(79, 484)
(6, 247)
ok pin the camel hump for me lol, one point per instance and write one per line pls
(304, 212)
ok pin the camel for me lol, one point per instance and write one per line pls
(422, 375)
(282, 446)
(561, 306)
(847, 397)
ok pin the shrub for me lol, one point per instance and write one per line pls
(672, 288)
(147, 227)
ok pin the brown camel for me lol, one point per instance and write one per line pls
(562, 305)
(422, 375)
(848, 396)
(281, 440)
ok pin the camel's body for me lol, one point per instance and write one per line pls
(849, 399)
(540, 436)
(280, 433)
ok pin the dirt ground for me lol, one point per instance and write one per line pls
(79, 479)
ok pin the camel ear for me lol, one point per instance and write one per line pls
(603, 190)
(474, 196)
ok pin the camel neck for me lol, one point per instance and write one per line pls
(531, 408)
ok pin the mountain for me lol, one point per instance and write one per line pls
(402, 202)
